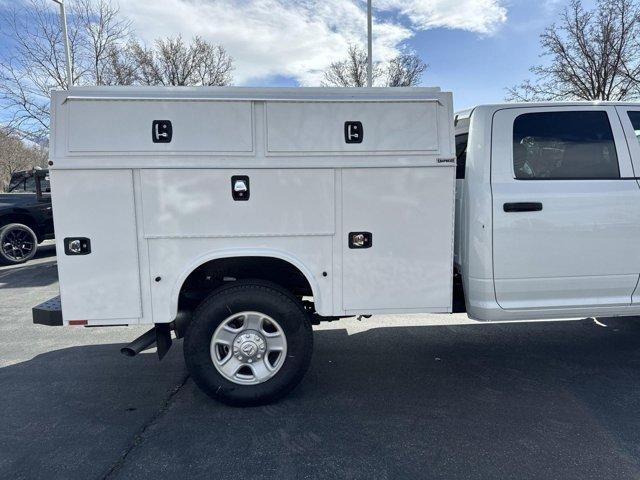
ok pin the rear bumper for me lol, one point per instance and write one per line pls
(48, 313)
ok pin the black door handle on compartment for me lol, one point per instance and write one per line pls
(523, 207)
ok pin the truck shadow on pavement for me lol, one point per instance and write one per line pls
(545, 400)
(39, 272)
(28, 276)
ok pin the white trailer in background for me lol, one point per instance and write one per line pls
(238, 217)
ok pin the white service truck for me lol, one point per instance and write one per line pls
(238, 217)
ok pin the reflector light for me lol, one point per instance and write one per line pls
(77, 322)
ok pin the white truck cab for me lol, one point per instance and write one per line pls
(237, 217)
(548, 210)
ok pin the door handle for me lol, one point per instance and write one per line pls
(523, 207)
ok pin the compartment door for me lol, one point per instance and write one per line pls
(318, 128)
(199, 127)
(97, 204)
(409, 213)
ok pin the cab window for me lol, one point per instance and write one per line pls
(22, 183)
(635, 121)
(565, 145)
(461, 154)
(30, 184)
(16, 185)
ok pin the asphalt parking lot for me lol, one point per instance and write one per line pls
(406, 397)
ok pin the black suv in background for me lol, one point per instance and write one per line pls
(26, 218)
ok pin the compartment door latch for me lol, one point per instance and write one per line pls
(161, 131)
(77, 246)
(240, 189)
(353, 132)
(360, 240)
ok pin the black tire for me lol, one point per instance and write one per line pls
(25, 244)
(249, 296)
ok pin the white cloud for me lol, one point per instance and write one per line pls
(301, 38)
(268, 37)
(480, 16)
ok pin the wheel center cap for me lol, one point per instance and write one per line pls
(249, 346)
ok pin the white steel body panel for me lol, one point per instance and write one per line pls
(104, 285)
(174, 259)
(121, 127)
(384, 201)
(409, 127)
(308, 190)
(197, 203)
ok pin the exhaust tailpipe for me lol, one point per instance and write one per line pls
(140, 344)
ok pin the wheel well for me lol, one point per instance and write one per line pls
(215, 273)
(23, 219)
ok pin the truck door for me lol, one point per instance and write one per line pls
(566, 209)
(630, 118)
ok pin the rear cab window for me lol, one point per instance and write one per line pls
(22, 182)
(16, 185)
(461, 154)
(564, 145)
(635, 121)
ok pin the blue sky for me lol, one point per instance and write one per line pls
(474, 48)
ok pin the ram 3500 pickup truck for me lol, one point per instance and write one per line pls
(236, 218)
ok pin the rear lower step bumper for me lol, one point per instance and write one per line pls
(48, 313)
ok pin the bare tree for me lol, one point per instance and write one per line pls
(593, 55)
(351, 72)
(172, 62)
(16, 156)
(405, 70)
(103, 33)
(214, 65)
(122, 64)
(36, 62)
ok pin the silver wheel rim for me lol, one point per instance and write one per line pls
(248, 348)
(17, 244)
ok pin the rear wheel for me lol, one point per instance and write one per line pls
(249, 343)
(18, 243)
